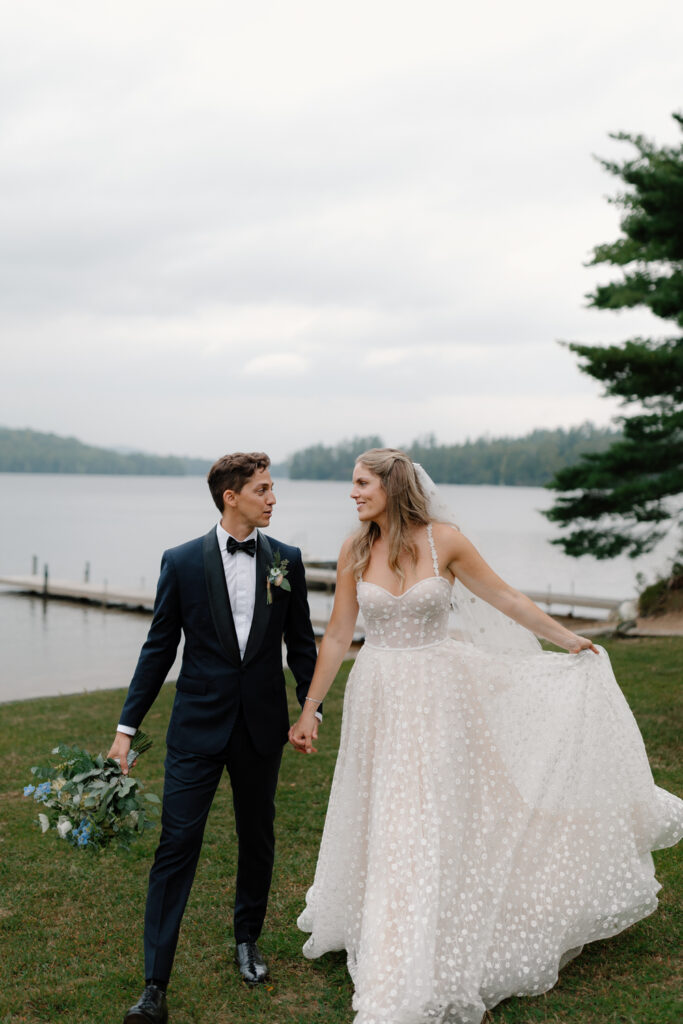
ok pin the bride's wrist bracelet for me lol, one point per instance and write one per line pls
(314, 701)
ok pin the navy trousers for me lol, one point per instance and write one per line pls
(190, 783)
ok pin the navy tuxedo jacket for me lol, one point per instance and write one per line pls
(214, 682)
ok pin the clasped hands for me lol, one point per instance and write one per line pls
(303, 733)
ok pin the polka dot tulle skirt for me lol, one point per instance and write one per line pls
(489, 815)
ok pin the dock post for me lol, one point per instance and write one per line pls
(46, 577)
(34, 565)
(86, 573)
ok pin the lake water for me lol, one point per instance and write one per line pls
(120, 525)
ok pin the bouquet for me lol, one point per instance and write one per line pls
(88, 800)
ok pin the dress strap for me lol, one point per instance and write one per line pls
(435, 560)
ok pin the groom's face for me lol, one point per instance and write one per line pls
(253, 505)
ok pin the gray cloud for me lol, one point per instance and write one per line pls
(303, 223)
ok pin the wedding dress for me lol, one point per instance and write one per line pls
(490, 813)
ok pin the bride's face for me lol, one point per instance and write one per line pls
(368, 493)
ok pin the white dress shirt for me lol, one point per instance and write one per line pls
(240, 577)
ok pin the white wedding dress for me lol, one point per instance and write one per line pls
(490, 813)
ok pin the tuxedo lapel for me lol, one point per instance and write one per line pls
(219, 602)
(261, 617)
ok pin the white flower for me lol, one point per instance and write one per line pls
(44, 822)
(64, 826)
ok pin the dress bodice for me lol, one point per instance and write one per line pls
(416, 618)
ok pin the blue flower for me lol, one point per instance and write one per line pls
(28, 790)
(42, 791)
(83, 833)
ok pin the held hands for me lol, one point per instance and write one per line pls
(119, 750)
(304, 732)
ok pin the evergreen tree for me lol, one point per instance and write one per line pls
(625, 498)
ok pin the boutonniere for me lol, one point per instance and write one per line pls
(277, 576)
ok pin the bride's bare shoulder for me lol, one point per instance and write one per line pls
(448, 538)
(346, 552)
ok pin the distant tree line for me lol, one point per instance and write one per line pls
(530, 461)
(29, 451)
(336, 462)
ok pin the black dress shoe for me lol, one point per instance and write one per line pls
(150, 1008)
(253, 967)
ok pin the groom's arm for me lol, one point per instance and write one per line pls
(298, 632)
(158, 651)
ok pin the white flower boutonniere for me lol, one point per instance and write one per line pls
(277, 576)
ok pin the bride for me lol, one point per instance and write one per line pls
(492, 807)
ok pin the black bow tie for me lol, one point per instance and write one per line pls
(248, 546)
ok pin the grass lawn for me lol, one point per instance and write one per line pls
(71, 922)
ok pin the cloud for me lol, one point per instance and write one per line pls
(277, 364)
(199, 206)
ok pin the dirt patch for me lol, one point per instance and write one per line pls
(668, 624)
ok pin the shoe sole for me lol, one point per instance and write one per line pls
(138, 1018)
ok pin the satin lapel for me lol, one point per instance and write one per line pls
(219, 602)
(259, 622)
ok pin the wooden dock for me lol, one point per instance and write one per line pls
(104, 596)
(317, 578)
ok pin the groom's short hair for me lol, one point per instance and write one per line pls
(231, 472)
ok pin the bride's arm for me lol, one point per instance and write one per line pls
(467, 565)
(335, 643)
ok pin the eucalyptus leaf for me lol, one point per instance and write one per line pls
(86, 775)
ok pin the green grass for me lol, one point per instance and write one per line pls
(71, 923)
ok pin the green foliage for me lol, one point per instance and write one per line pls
(530, 460)
(665, 594)
(330, 463)
(623, 500)
(652, 246)
(29, 451)
(527, 461)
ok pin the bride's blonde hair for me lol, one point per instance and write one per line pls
(406, 508)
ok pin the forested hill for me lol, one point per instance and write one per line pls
(529, 461)
(28, 451)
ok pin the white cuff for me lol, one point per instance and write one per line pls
(127, 729)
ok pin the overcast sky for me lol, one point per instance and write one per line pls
(268, 224)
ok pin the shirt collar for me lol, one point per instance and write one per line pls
(223, 535)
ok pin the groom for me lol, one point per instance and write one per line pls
(225, 594)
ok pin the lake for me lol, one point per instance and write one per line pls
(121, 525)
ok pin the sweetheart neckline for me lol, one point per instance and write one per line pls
(396, 597)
